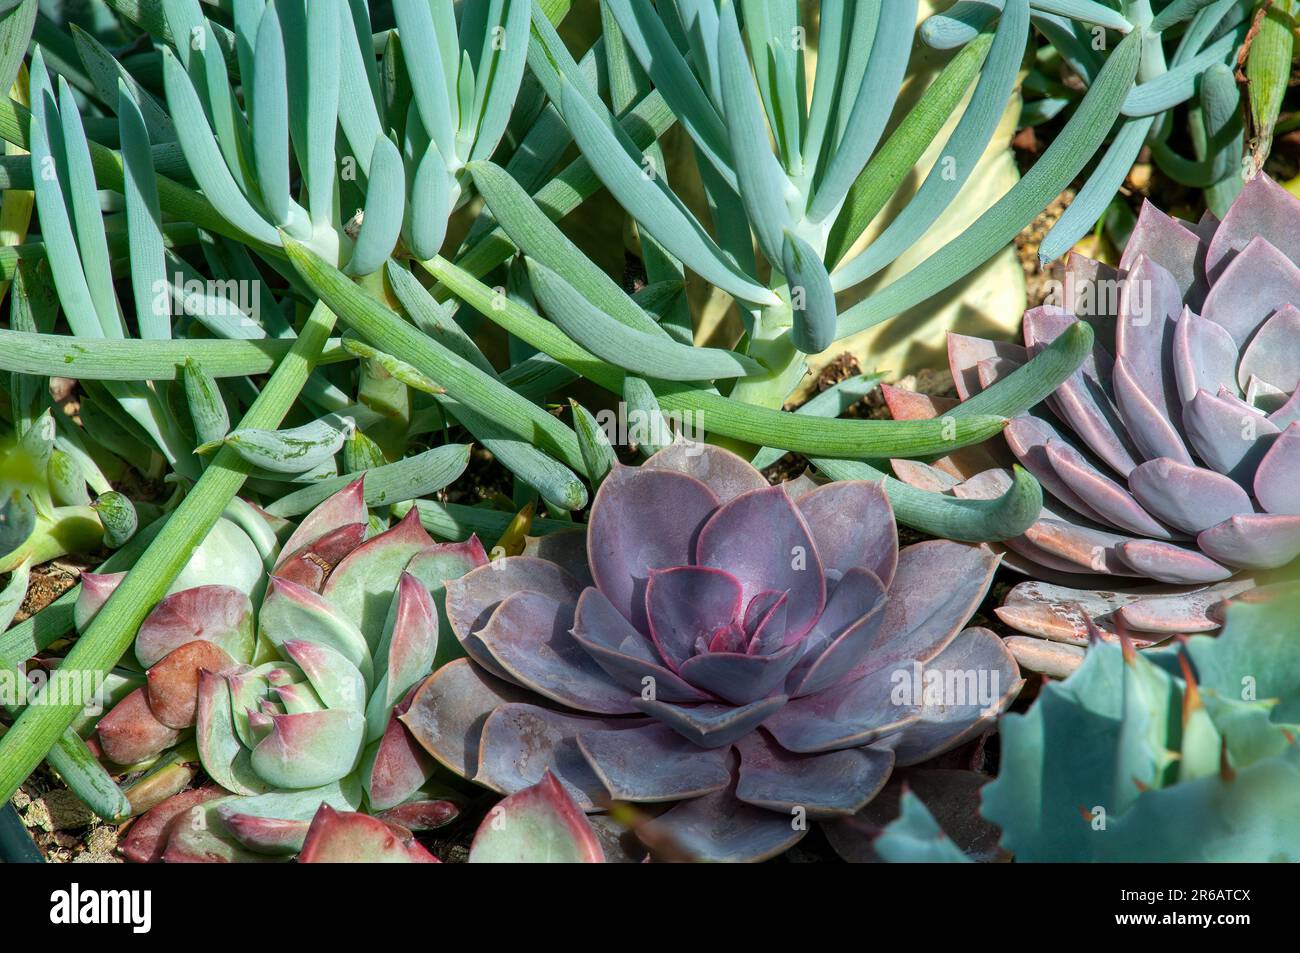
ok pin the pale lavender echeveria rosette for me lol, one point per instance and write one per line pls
(748, 655)
(1173, 454)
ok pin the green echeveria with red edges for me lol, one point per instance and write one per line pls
(300, 709)
(1173, 454)
(741, 653)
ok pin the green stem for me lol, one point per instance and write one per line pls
(38, 729)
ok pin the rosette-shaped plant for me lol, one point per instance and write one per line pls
(752, 656)
(1173, 454)
(300, 709)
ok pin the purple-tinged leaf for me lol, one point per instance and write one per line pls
(719, 828)
(395, 767)
(290, 611)
(1183, 612)
(406, 650)
(130, 733)
(1028, 436)
(689, 604)
(653, 763)
(422, 815)
(966, 353)
(1205, 356)
(1273, 354)
(938, 586)
(1190, 498)
(627, 656)
(786, 561)
(1166, 562)
(96, 587)
(975, 679)
(529, 637)
(335, 680)
(173, 684)
(1171, 244)
(853, 526)
(1151, 433)
(643, 520)
(1150, 305)
(449, 708)
(538, 825)
(845, 634)
(713, 726)
(1277, 480)
(852, 714)
(822, 785)
(310, 749)
(346, 507)
(722, 471)
(1229, 435)
(347, 838)
(742, 678)
(362, 584)
(1253, 540)
(1263, 209)
(147, 839)
(311, 565)
(1082, 547)
(1258, 281)
(222, 615)
(472, 598)
(520, 743)
(1102, 494)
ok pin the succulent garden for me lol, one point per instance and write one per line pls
(649, 431)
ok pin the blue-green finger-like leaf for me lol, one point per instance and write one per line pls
(16, 27)
(960, 155)
(295, 450)
(143, 220)
(811, 298)
(831, 402)
(959, 24)
(56, 224)
(106, 73)
(87, 216)
(395, 367)
(832, 45)
(659, 57)
(556, 483)
(1055, 169)
(646, 424)
(358, 114)
(763, 185)
(1176, 12)
(207, 407)
(597, 451)
(874, 102)
(1097, 193)
(385, 205)
(1035, 381)
(322, 107)
(649, 202)
(1089, 11)
(184, 18)
(1179, 84)
(434, 318)
(421, 475)
(429, 76)
(541, 239)
(972, 521)
(624, 347)
(205, 158)
(464, 382)
(430, 204)
(503, 82)
(270, 108)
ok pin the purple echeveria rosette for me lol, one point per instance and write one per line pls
(1172, 456)
(745, 656)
